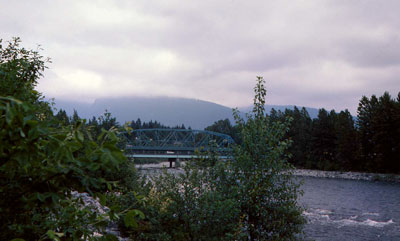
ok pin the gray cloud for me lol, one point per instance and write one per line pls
(315, 53)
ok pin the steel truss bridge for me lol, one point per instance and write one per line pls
(175, 144)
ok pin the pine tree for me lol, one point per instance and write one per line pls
(62, 117)
(323, 141)
(300, 133)
(347, 144)
(378, 123)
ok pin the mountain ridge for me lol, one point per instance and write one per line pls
(170, 111)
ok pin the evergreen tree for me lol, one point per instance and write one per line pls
(74, 118)
(386, 123)
(347, 145)
(106, 121)
(225, 127)
(300, 134)
(378, 122)
(323, 141)
(62, 117)
(136, 124)
(277, 115)
(366, 111)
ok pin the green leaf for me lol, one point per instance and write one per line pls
(130, 218)
(111, 237)
(102, 198)
(79, 136)
(109, 186)
(139, 213)
(54, 235)
(41, 197)
(21, 132)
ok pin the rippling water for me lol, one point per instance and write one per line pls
(339, 209)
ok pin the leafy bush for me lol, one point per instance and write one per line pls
(40, 167)
(19, 71)
(267, 191)
(43, 161)
(188, 206)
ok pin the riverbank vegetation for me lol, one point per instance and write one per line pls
(47, 158)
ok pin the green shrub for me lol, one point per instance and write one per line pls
(44, 162)
(267, 191)
(189, 206)
(40, 167)
(19, 71)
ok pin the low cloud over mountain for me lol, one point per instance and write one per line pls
(197, 114)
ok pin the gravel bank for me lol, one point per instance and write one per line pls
(348, 175)
(151, 169)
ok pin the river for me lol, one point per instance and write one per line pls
(339, 209)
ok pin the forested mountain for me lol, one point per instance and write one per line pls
(169, 111)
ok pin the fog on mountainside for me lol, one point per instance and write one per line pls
(169, 111)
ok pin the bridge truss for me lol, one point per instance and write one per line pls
(175, 142)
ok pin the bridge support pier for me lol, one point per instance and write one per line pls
(176, 160)
(170, 161)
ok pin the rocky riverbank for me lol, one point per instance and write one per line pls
(151, 169)
(348, 175)
(95, 206)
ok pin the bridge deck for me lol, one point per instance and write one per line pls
(168, 156)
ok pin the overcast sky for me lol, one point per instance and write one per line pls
(312, 53)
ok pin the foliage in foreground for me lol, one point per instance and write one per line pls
(45, 162)
(40, 168)
(20, 69)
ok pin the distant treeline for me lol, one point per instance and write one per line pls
(138, 124)
(106, 121)
(338, 141)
